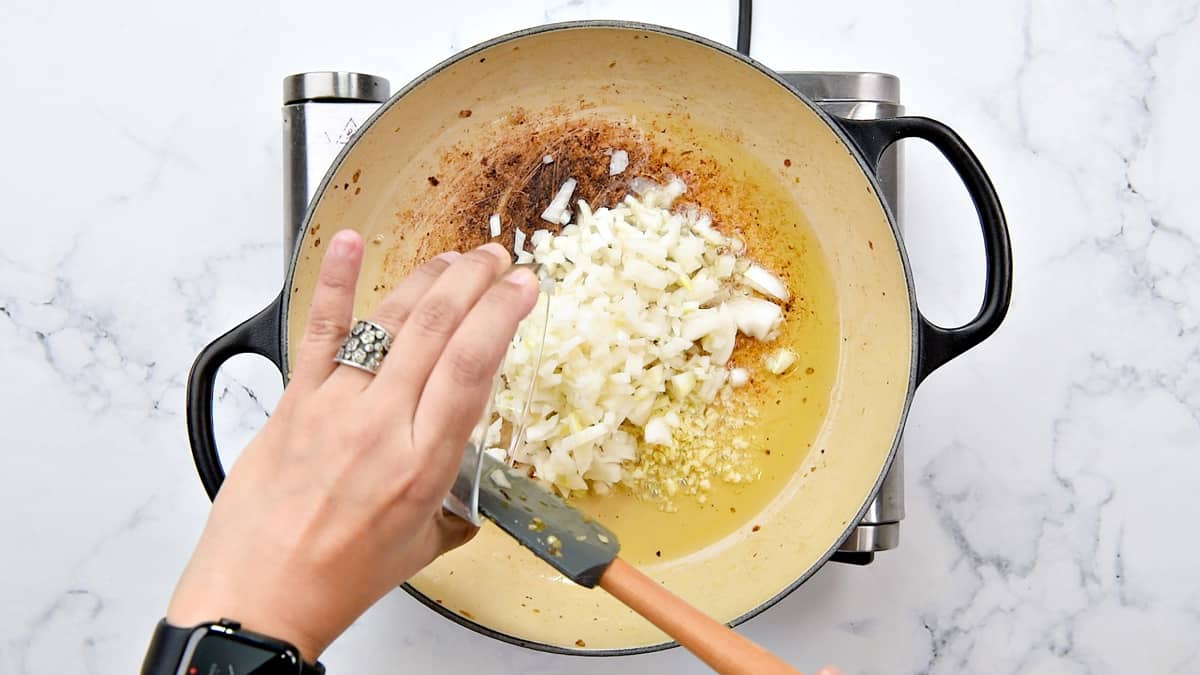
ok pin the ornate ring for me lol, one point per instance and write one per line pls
(365, 346)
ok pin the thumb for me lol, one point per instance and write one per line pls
(452, 531)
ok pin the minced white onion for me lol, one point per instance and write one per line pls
(618, 162)
(500, 479)
(558, 206)
(780, 361)
(518, 241)
(647, 307)
(547, 159)
(494, 225)
(739, 377)
(761, 280)
(755, 317)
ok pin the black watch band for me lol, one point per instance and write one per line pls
(170, 645)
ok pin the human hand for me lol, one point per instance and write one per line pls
(337, 499)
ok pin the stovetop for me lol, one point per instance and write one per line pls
(323, 110)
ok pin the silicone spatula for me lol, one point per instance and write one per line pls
(586, 552)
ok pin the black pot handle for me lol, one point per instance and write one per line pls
(260, 334)
(938, 345)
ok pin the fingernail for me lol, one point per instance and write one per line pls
(343, 243)
(520, 277)
(496, 249)
(449, 256)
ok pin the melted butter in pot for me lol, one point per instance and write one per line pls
(505, 174)
(791, 408)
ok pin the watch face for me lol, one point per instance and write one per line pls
(219, 653)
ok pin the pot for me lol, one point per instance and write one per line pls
(467, 138)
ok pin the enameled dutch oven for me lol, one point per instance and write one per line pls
(467, 138)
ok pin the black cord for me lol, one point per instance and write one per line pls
(745, 10)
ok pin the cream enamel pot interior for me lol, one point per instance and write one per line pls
(458, 142)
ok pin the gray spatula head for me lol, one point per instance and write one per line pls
(542, 522)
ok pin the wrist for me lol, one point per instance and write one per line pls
(220, 647)
(186, 610)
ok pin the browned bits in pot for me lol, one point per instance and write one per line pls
(512, 181)
(466, 613)
(357, 190)
(787, 162)
(870, 244)
(316, 242)
(499, 170)
(354, 178)
(464, 113)
(580, 643)
(756, 528)
(809, 371)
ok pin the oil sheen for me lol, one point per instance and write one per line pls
(791, 408)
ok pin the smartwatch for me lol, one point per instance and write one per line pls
(221, 648)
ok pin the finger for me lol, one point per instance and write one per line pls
(452, 531)
(392, 311)
(442, 532)
(461, 381)
(432, 322)
(331, 310)
(829, 670)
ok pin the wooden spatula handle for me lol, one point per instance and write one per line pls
(716, 644)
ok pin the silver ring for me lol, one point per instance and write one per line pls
(365, 346)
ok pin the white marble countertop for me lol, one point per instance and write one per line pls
(1051, 472)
